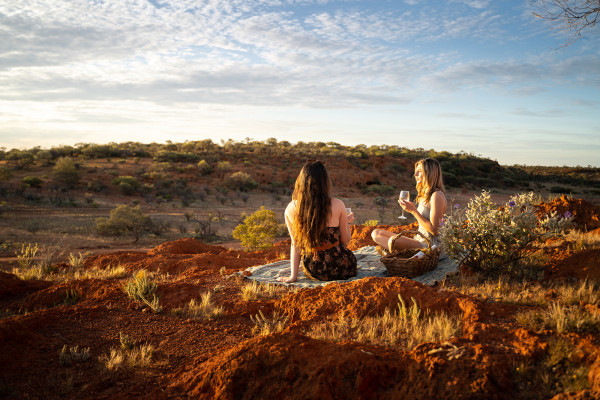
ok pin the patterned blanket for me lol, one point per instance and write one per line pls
(369, 264)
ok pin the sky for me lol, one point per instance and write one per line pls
(481, 76)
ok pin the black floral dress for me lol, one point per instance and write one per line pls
(330, 261)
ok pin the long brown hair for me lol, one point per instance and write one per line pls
(433, 179)
(313, 205)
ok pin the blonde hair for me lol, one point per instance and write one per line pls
(433, 179)
(313, 205)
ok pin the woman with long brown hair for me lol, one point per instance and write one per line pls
(318, 226)
(431, 196)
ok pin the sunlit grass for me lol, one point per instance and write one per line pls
(204, 309)
(503, 290)
(561, 318)
(55, 274)
(403, 328)
(265, 326)
(583, 240)
(262, 291)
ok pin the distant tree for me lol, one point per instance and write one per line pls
(19, 158)
(572, 15)
(65, 172)
(125, 220)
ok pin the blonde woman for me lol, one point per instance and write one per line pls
(431, 197)
(318, 226)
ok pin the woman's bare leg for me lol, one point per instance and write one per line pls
(382, 237)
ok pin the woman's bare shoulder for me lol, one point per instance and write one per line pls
(291, 208)
(337, 204)
(438, 195)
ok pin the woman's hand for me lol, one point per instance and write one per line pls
(285, 280)
(350, 217)
(407, 206)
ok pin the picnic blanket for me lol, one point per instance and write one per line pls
(369, 264)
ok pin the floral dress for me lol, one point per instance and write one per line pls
(330, 261)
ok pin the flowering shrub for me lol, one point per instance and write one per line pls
(494, 240)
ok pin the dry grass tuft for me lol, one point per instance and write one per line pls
(263, 291)
(404, 329)
(265, 326)
(138, 356)
(205, 309)
(583, 240)
(68, 274)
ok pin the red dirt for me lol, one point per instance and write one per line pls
(222, 358)
(586, 216)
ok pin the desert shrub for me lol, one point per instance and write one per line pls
(96, 185)
(560, 189)
(258, 231)
(223, 166)
(494, 240)
(5, 173)
(32, 181)
(19, 159)
(241, 181)
(381, 190)
(65, 172)
(124, 220)
(141, 287)
(204, 167)
(380, 201)
(127, 184)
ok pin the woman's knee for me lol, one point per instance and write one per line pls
(375, 234)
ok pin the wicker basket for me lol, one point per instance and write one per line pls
(400, 263)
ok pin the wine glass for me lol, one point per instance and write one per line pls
(404, 195)
(348, 210)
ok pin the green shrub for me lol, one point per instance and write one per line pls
(32, 181)
(96, 186)
(127, 184)
(381, 190)
(124, 220)
(223, 166)
(258, 231)
(241, 181)
(65, 172)
(497, 240)
(5, 173)
(204, 167)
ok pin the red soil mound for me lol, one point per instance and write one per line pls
(11, 285)
(357, 299)
(291, 365)
(186, 246)
(581, 265)
(189, 256)
(585, 215)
